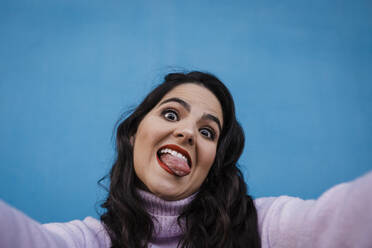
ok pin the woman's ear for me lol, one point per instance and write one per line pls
(132, 139)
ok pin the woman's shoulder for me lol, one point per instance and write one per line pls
(89, 232)
(339, 217)
(19, 230)
(358, 190)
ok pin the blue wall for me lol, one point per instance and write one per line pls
(300, 72)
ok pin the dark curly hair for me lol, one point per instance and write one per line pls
(221, 214)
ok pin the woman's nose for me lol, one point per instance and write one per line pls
(185, 134)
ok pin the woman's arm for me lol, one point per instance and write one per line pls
(18, 230)
(341, 217)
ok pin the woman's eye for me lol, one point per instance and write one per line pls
(170, 115)
(207, 133)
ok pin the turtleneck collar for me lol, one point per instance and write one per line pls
(157, 206)
(164, 214)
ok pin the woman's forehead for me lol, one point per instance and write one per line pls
(195, 95)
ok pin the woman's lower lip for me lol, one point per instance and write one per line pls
(164, 166)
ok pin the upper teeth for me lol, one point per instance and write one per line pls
(173, 153)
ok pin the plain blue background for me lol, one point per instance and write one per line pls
(300, 72)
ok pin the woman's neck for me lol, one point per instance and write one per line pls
(165, 216)
(157, 206)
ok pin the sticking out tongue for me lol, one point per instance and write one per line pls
(177, 165)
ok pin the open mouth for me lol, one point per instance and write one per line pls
(174, 160)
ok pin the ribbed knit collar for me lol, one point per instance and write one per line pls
(157, 206)
(165, 214)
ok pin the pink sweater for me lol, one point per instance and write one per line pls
(341, 217)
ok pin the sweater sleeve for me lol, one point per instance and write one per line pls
(18, 230)
(341, 217)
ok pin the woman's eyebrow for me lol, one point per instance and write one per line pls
(188, 107)
(178, 100)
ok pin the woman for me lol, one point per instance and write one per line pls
(192, 114)
(175, 182)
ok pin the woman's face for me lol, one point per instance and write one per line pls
(175, 144)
